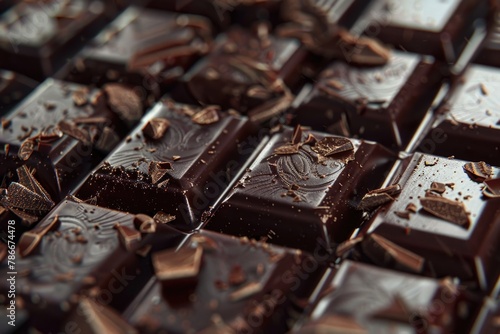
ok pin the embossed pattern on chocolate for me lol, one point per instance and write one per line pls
(198, 162)
(301, 199)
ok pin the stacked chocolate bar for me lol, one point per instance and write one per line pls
(249, 166)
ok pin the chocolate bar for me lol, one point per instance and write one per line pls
(80, 249)
(383, 103)
(468, 125)
(145, 48)
(302, 190)
(178, 160)
(360, 298)
(36, 37)
(444, 222)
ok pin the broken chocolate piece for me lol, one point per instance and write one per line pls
(178, 267)
(480, 170)
(124, 102)
(492, 188)
(158, 170)
(156, 128)
(329, 146)
(206, 116)
(438, 187)
(29, 240)
(451, 211)
(377, 197)
(245, 291)
(144, 223)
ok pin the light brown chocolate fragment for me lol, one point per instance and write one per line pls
(480, 170)
(144, 223)
(156, 128)
(438, 187)
(128, 237)
(208, 115)
(245, 291)
(377, 197)
(99, 318)
(287, 149)
(124, 102)
(451, 211)
(158, 170)
(178, 267)
(329, 146)
(31, 239)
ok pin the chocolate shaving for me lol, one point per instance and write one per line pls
(335, 324)
(377, 197)
(403, 214)
(158, 169)
(451, 211)
(26, 150)
(124, 102)
(144, 223)
(74, 131)
(208, 115)
(411, 208)
(332, 145)
(80, 97)
(31, 239)
(362, 50)
(492, 188)
(182, 266)
(245, 291)
(156, 128)
(480, 170)
(163, 218)
(297, 135)
(380, 250)
(128, 237)
(438, 187)
(287, 149)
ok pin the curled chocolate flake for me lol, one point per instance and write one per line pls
(30, 240)
(451, 211)
(481, 170)
(144, 223)
(156, 128)
(438, 187)
(128, 237)
(492, 188)
(208, 115)
(378, 249)
(124, 102)
(26, 150)
(178, 267)
(332, 145)
(158, 169)
(287, 149)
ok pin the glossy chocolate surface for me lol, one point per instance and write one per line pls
(245, 69)
(468, 251)
(81, 255)
(13, 89)
(438, 28)
(143, 47)
(202, 160)
(242, 285)
(301, 200)
(367, 299)
(468, 125)
(383, 103)
(35, 37)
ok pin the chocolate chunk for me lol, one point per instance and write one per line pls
(245, 291)
(302, 191)
(377, 197)
(492, 188)
(156, 128)
(158, 170)
(73, 131)
(30, 240)
(163, 218)
(438, 187)
(449, 210)
(178, 267)
(124, 102)
(145, 223)
(207, 115)
(128, 237)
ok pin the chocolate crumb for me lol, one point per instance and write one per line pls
(156, 128)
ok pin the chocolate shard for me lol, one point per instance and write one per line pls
(128, 237)
(208, 115)
(158, 169)
(334, 324)
(102, 319)
(27, 148)
(31, 239)
(400, 255)
(287, 149)
(178, 267)
(397, 310)
(346, 246)
(363, 50)
(124, 102)
(492, 188)
(236, 276)
(20, 197)
(451, 211)
(245, 291)
(144, 223)
(297, 135)
(27, 179)
(438, 187)
(74, 131)
(480, 170)
(27, 218)
(163, 218)
(156, 128)
(377, 197)
(329, 146)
